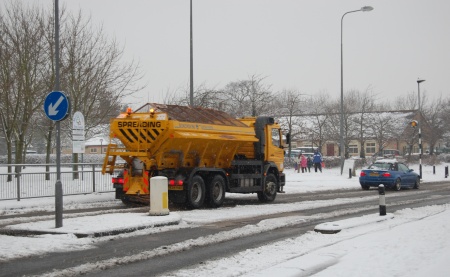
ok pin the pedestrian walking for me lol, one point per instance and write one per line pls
(309, 163)
(317, 160)
(303, 163)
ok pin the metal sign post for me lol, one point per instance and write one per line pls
(56, 107)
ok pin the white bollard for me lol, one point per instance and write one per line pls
(159, 196)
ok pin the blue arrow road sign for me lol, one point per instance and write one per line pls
(56, 105)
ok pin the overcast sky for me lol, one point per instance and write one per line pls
(294, 43)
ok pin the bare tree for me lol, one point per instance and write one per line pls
(445, 116)
(408, 102)
(382, 129)
(93, 74)
(320, 114)
(349, 125)
(289, 105)
(248, 97)
(237, 104)
(203, 97)
(365, 103)
(22, 73)
(434, 127)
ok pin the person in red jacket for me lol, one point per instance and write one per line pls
(303, 163)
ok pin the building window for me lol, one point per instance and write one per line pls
(93, 150)
(370, 147)
(353, 149)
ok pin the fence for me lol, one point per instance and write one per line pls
(34, 181)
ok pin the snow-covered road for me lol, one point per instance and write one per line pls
(412, 243)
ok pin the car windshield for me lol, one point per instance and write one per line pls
(381, 166)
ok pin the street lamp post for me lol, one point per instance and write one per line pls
(342, 147)
(191, 83)
(420, 128)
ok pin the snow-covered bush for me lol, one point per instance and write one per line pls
(444, 158)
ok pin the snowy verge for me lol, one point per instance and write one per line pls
(337, 226)
(98, 225)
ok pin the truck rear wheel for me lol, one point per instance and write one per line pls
(269, 190)
(126, 201)
(215, 194)
(196, 192)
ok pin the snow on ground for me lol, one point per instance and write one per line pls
(414, 242)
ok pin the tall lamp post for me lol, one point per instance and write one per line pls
(420, 128)
(342, 147)
(191, 58)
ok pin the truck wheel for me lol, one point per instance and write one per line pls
(119, 193)
(215, 194)
(126, 201)
(196, 192)
(269, 190)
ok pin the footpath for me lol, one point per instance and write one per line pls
(94, 226)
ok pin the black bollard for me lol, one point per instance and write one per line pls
(349, 173)
(446, 171)
(382, 200)
(434, 169)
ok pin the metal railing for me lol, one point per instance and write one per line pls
(31, 180)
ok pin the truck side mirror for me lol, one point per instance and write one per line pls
(288, 138)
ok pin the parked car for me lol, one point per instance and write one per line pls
(295, 154)
(387, 153)
(390, 173)
(305, 149)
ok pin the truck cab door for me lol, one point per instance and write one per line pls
(274, 146)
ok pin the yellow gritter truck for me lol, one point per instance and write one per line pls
(203, 153)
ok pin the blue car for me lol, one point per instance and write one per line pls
(391, 173)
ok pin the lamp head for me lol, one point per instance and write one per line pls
(366, 8)
(420, 81)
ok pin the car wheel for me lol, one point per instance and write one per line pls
(398, 185)
(417, 183)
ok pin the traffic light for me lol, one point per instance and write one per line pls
(414, 123)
